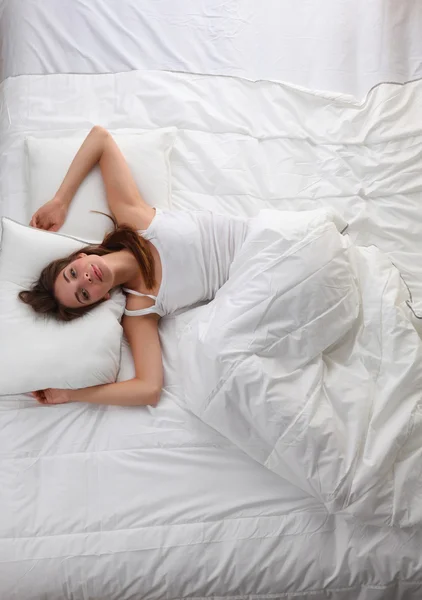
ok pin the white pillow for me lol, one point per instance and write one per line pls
(37, 352)
(146, 153)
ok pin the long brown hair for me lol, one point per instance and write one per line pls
(41, 295)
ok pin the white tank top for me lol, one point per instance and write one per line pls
(196, 250)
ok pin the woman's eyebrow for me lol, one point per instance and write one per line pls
(64, 275)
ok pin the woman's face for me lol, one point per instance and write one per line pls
(84, 281)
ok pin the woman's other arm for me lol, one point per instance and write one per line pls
(143, 389)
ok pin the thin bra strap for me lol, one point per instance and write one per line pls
(135, 293)
(142, 311)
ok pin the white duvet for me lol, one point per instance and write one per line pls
(307, 360)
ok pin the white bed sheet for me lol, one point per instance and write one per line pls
(129, 503)
(341, 45)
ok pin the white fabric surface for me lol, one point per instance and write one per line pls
(308, 361)
(341, 45)
(150, 501)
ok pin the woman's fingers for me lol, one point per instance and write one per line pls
(52, 396)
(42, 223)
(37, 221)
(39, 396)
(50, 216)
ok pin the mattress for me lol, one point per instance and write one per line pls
(340, 45)
(126, 503)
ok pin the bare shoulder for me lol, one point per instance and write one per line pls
(138, 329)
(138, 217)
(144, 340)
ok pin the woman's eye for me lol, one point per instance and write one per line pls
(85, 295)
(73, 272)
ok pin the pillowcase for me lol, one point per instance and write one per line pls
(37, 352)
(48, 159)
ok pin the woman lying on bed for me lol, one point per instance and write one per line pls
(165, 261)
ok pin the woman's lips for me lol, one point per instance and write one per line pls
(97, 273)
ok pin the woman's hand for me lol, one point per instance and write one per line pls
(50, 216)
(53, 396)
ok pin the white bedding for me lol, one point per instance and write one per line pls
(341, 45)
(106, 502)
(308, 361)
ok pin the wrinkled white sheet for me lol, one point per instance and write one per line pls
(341, 45)
(307, 360)
(145, 501)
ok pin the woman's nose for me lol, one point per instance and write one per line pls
(88, 277)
